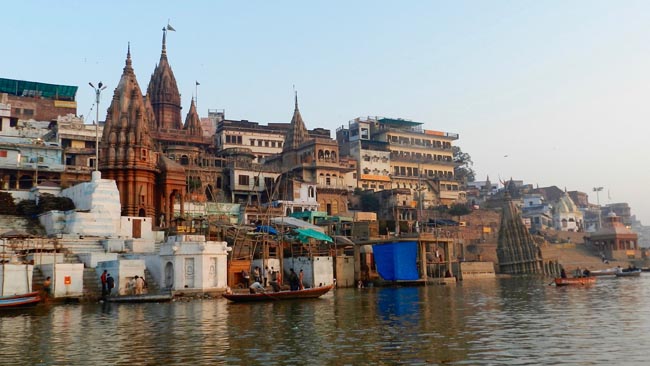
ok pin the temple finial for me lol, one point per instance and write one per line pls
(296, 96)
(164, 42)
(128, 54)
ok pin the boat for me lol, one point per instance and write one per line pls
(603, 272)
(19, 301)
(575, 281)
(629, 273)
(308, 293)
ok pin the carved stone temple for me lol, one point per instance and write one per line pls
(516, 250)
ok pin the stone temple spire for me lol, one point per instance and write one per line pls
(127, 149)
(193, 122)
(516, 250)
(163, 93)
(297, 133)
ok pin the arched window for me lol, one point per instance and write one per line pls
(311, 192)
(185, 160)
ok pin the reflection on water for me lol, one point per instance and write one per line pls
(517, 321)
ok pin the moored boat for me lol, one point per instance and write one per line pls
(575, 281)
(280, 295)
(19, 301)
(629, 273)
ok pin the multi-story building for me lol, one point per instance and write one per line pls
(262, 141)
(29, 100)
(396, 153)
(311, 158)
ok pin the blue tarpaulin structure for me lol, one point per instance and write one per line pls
(266, 229)
(397, 261)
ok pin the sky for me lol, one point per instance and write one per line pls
(548, 92)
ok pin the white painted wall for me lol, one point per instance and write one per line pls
(15, 278)
(97, 206)
(67, 278)
(123, 270)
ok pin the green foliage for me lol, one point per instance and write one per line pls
(464, 171)
(46, 202)
(27, 208)
(369, 202)
(459, 209)
(7, 205)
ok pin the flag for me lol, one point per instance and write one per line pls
(197, 83)
(170, 28)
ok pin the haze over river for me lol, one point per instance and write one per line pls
(507, 321)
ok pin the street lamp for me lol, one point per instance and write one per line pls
(98, 91)
(597, 190)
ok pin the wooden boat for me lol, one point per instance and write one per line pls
(629, 273)
(603, 272)
(19, 301)
(575, 281)
(280, 295)
(17, 296)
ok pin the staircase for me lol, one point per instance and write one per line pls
(21, 224)
(92, 288)
(576, 255)
(152, 285)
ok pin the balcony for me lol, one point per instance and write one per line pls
(422, 160)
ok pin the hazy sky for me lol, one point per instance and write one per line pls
(549, 92)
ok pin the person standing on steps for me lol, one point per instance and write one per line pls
(103, 279)
(110, 284)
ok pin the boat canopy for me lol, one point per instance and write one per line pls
(294, 223)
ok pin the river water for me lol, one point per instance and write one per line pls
(505, 321)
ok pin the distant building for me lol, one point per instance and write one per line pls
(566, 215)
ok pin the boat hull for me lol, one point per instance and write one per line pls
(636, 273)
(575, 281)
(281, 295)
(19, 302)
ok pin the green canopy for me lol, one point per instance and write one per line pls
(305, 234)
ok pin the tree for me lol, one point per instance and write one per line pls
(463, 171)
(459, 209)
(369, 202)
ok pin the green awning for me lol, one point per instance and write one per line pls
(24, 88)
(305, 234)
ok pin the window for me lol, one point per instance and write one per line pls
(365, 134)
(244, 180)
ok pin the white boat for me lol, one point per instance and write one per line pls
(629, 273)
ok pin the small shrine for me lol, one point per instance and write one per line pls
(615, 240)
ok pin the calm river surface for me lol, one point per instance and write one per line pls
(509, 321)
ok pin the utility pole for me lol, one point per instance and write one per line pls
(98, 91)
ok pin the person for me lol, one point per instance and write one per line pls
(246, 277)
(139, 285)
(301, 275)
(293, 280)
(265, 275)
(274, 281)
(131, 286)
(562, 273)
(256, 274)
(144, 284)
(47, 287)
(256, 287)
(279, 277)
(110, 284)
(586, 272)
(103, 279)
(578, 272)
